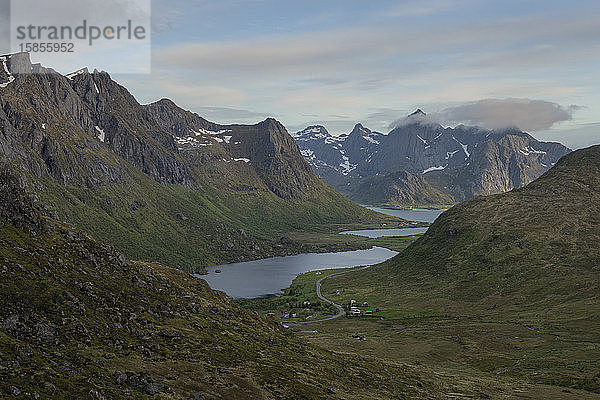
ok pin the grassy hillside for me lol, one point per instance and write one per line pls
(79, 321)
(190, 229)
(99, 160)
(506, 285)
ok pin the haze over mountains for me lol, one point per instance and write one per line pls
(420, 162)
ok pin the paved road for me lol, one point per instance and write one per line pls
(340, 309)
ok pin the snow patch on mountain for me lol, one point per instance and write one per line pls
(435, 169)
(422, 140)
(346, 166)
(10, 78)
(202, 131)
(464, 147)
(451, 153)
(101, 135)
(370, 139)
(78, 72)
(527, 150)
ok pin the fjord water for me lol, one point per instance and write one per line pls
(375, 233)
(270, 276)
(411, 215)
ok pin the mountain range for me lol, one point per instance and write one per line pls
(512, 280)
(121, 171)
(498, 299)
(419, 162)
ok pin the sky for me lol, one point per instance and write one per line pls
(534, 64)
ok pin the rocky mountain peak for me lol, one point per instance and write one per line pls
(19, 63)
(359, 129)
(442, 165)
(312, 132)
(416, 118)
(272, 124)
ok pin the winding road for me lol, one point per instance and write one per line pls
(340, 309)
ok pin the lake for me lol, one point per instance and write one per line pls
(269, 276)
(375, 233)
(411, 215)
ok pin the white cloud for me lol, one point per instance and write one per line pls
(226, 115)
(417, 8)
(480, 45)
(575, 137)
(526, 114)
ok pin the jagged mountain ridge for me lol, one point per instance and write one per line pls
(120, 171)
(420, 162)
(267, 148)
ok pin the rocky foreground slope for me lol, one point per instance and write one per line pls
(422, 163)
(158, 182)
(79, 321)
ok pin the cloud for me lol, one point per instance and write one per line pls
(227, 115)
(575, 137)
(526, 114)
(383, 118)
(417, 116)
(419, 8)
(481, 44)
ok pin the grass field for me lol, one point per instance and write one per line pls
(303, 287)
(491, 356)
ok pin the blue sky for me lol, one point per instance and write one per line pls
(532, 63)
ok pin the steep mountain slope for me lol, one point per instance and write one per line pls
(79, 321)
(123, 172)
(548, 230)
(525, 263)
(268, 150)
(420, 162)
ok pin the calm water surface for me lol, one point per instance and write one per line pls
(270, 276)
(411, 215)
(375, 233)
